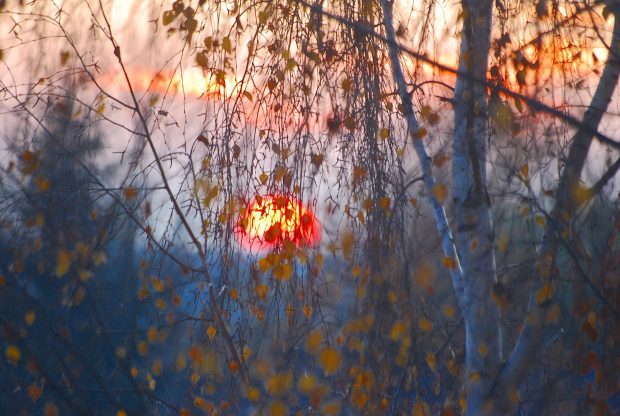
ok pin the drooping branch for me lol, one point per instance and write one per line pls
(217, 313)
(413, 127)
(532, 103)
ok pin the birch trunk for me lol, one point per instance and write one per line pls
(474, 227)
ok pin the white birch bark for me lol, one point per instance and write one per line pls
(439, 213)
(474, 226)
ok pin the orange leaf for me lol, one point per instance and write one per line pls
(440, 192)
(34, 392)
(211, 331)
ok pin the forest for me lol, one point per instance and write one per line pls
(309, 207)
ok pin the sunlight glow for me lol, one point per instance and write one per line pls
(272, 219)
(192, 82)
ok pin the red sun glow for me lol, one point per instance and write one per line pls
(272, 219)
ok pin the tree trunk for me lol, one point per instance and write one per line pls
(474, 226)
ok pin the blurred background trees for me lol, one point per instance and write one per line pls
(460, 158)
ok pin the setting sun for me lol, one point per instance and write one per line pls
(272, 219)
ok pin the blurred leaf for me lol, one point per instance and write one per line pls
(329, 359)
(12, 354)
(63, 262)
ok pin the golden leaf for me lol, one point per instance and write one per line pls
(211, 331)
(280, 384)
(440, 192)
(524, 171)
(348, 243)
(449, 263)
(252, 394)
(430, 360)
(29, 317)
(282, 271)
(63, 262)
(261, 291)
(314, 340)
(449, 311)
(329, 359)
(544, 293)
(425, 325)
(384, 133)
(398, 330)
(421, 133)
(279, 408)
(483, 349)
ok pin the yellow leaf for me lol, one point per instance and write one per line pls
(430, 360)
(449, 311)
(246, 353)
(227, 44)
(282, 271)
(280, 384)
(544, 293)
(279, 408)
(158, 284)
(29, 317)
(540, 220)
(397, 331)
(421, 133)
(329, 359)
(384, 203)
(424, 276)
(348, 243)
(314, 340)
(261, 291)
(307, 311)
(449, 263)
(63, 262)
(483, 350)
(421, 409)
(474, 377)
(384, 133)
(211, 331)
(331, 408)
(356, 270)
(263, 178)
(440, 192)
(12, 354)
(524, 171)
(252, 394)
(425, 325)
(306, 383)
(264, 263)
